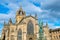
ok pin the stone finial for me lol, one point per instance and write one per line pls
(46, 24)
(4, 23)
(30, 14)
(21, 8)
(10, 21)
(35, 15)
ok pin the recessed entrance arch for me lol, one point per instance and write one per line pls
(30, 39)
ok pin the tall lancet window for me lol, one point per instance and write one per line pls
(30, 28)
(19, 34)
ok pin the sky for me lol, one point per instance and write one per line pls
(47, 10)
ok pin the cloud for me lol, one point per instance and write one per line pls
(57, 26)
(45, 9)
(14, 6)
(36, 3)
(32, 8)
(47, 12)
(10, 14)
(53, 5)
(52, 13)
(6, 17)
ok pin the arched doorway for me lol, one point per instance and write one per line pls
(3, 37)
(30, 28)
(30, 38)
(19, 34)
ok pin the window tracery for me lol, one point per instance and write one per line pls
(30, 28)
(19, 34)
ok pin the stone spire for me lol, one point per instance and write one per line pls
(4, 23)
(10, 21)
(46, 24)
(35, 15)
(21, 8)
(30, 14)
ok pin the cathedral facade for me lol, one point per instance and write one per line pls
(25, 28)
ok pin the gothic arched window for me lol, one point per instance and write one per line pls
(30, 28)
(19, 34)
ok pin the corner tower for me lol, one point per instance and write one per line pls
(19, 15)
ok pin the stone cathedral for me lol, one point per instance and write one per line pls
(25, 28)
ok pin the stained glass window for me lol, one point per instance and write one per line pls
(19, 34)
(30, 28)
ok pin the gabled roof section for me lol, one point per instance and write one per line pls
(27, 17)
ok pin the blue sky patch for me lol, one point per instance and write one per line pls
(3, 9)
